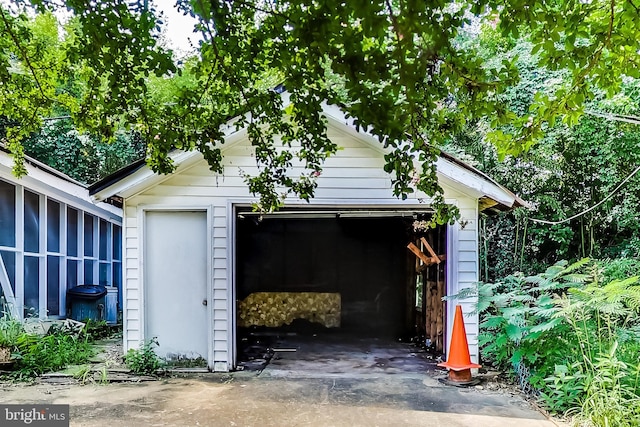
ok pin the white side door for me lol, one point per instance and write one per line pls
(175, 282)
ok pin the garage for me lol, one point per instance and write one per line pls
(346, 267)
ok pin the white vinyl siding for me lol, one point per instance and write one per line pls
(131, 267)
(463, 271)
(221, 314)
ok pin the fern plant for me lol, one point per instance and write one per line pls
(575, 336)
(519, 326)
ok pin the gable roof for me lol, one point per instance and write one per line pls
(137, 176)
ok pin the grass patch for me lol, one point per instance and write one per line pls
(64, 344)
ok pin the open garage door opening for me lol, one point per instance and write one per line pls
(336, 281)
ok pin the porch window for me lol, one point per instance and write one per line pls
(72, 232)
(31, 286)
(53, 286)
(48, 247)
(53, 226)
(72, 273)
(9, 259)
(31, 222)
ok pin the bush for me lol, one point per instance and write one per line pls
(572, 334)
(97, 330)
(519, 330)
(619, 268)
(144, 361)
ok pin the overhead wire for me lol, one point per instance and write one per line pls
(610, 195)
(616, 117)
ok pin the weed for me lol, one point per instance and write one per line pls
(96, 330)
(10, 331)
(183, 361)
(144, 360)
(37, 355)
(607, 401)
(564, 387)
(83, 374)
(104, 375)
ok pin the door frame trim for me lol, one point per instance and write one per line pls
(142, 216)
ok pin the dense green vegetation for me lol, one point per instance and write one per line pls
(83, 157)
(34, 354)
(571, 335)
(525, 91)
(570, 170)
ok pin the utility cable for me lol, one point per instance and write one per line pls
(615, 117)
(615, 190)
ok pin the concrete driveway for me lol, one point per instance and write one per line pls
(247, 399)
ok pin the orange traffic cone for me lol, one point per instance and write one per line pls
(459, 360)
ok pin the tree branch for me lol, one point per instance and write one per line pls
(24, 54)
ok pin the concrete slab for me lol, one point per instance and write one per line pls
(350, 382)
(345, 356)
(249, 400)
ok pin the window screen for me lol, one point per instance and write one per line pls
(88, 235)
(9, 259)
(7, 214)
(53, 226)
(72, 232)
(53, 286)
(31, 222)
(31, 285)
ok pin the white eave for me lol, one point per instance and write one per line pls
(144, 178)
(44, 179)
(452, 173)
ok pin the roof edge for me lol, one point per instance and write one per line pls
(50, 170)
(518, 202)
(116, 176)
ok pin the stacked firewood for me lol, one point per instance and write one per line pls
(275, 309)
(435, 313)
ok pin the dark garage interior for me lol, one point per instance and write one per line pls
(325, 278)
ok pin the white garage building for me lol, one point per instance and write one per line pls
(193, 250)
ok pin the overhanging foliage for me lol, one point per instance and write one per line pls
(398, 68)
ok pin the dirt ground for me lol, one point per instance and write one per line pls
(244, 399)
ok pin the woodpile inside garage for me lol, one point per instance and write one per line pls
(276, 309)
